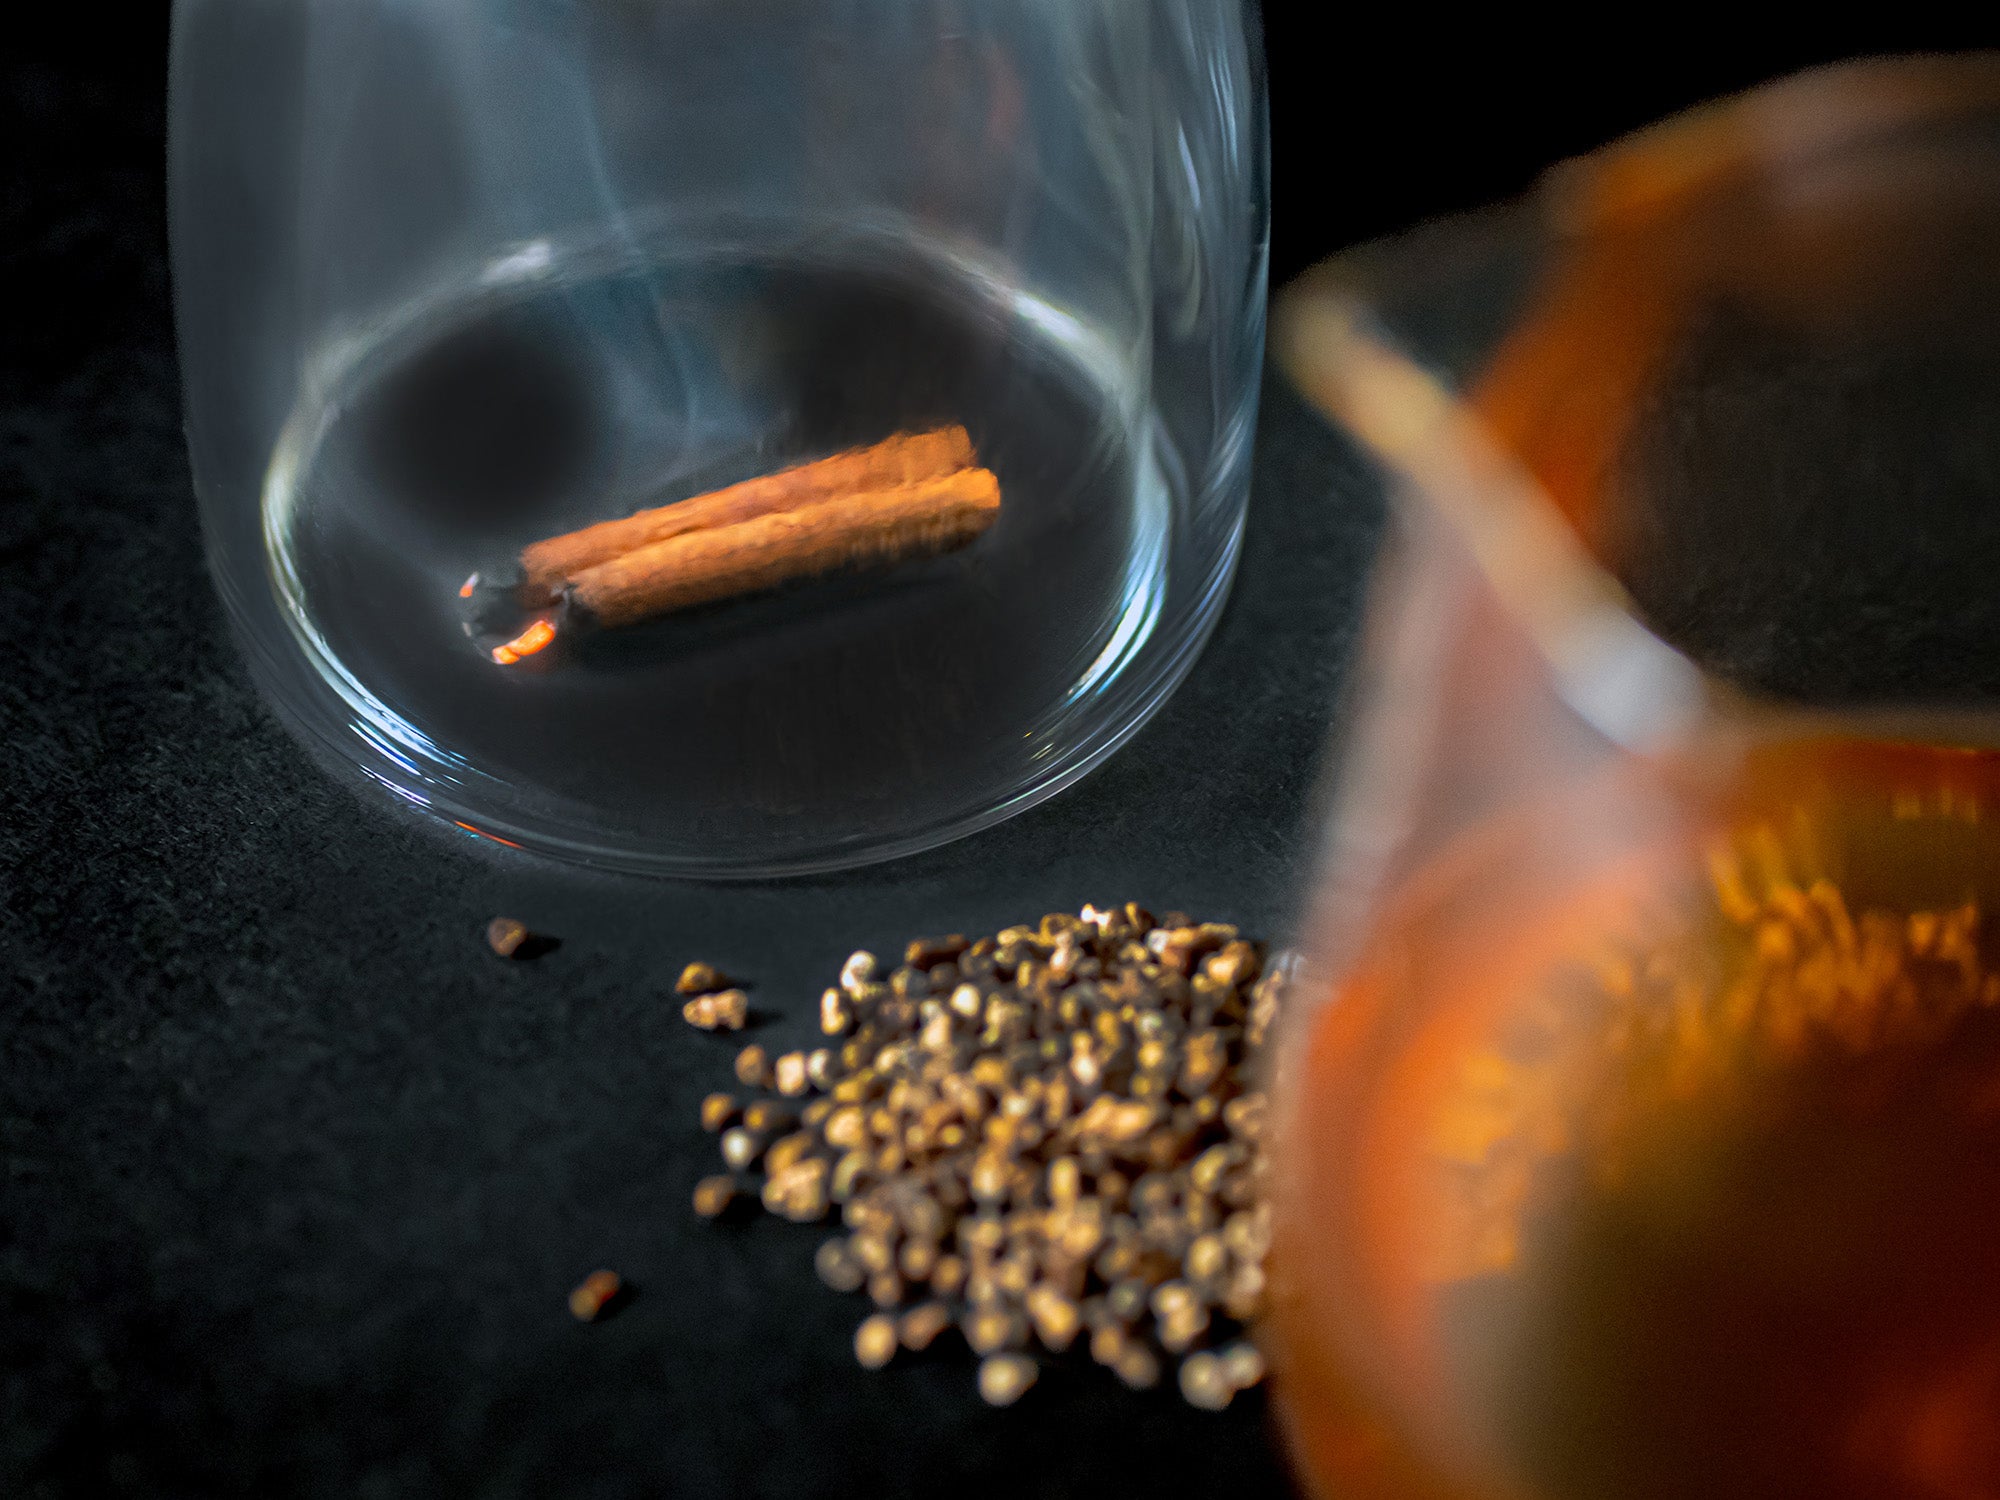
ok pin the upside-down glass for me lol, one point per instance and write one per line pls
(1639, 1126)
(453, 278)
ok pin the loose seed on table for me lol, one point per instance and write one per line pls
(1138, 1367)
(838, 1268)
(1204, 1382)
(1005, 1378)
(752, 1068)
(1242, 1365)
(766, 1116)
(920, 1326)
(504, 935)
(1047, 1134)
(740, 1147)
(700, 979)
(593, 1294)
(790, 1073)
(885, 1289)
(875, 1341)
(713, 1195)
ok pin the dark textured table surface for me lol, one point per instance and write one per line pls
(295, 1176)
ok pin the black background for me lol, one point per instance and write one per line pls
(294, 1177)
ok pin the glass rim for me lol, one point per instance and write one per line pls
(1329, 337)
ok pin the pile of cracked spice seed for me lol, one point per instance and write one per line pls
(1046, 1136)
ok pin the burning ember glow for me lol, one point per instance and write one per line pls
(527, 643)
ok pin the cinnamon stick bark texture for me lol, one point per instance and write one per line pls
(904, 459)
(876, 526)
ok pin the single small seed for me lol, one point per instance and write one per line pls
(1138, 1367)
(732, 1010)
(1005, 1378)
(1177, 1333)
(928, 953)
(700, 979)
(919, 1327)
(885, 1289)
(717, 1110)
(790, 1072)
(917, 1259)
(713, 1195)
(752, 1067)
(740, 1148)
(1127, 1300)
(1107, 1344)
(767, 1117)
(847, 1128)
(857, 972)
(872, 1252)
(835, 1015)
(1242, 1365)
(505, 935)
(837, 1267)
(991, 1329)
(1205, 1383)
(1243, 1298)
(948, 1275)
(1206, 1259)
(875, 1341)
(1065, 1181)
(593, 1294)
(1055, 1317)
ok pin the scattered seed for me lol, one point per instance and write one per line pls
(990, 1329)
(766, 1116)
(752, 1068)
(740, 1148)
(700, 979)
(1055, 1318)
(919, 1327)
(1138, 1367)
(885, 1289)
(1242, 1365)
(1005, 1378)
(875, 1341)
(790, 1073)
(835, 1014)
(712, 1195)
(857, 971)
(1205, 1383)
(838, 1268)
(593, 1294)
(732, 1010)
(717, 1110)
(504, 936)
(917, 1259)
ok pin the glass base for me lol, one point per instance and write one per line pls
(827, 723)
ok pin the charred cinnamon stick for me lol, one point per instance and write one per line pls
(906, 458)
(873, 527)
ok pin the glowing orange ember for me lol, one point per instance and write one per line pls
(527, 643)
(465, 589)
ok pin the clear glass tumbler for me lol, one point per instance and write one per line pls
(957, 303)
(1638, 1129)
